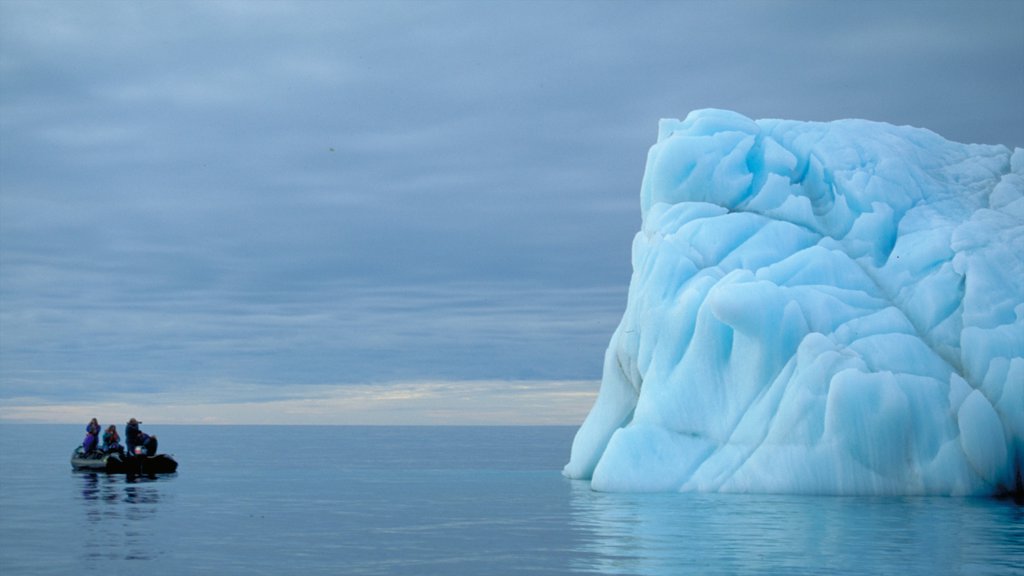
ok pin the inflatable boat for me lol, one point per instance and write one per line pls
(119, 463)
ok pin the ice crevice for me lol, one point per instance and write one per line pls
(827, 308)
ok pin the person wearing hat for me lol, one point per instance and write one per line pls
(135, 438)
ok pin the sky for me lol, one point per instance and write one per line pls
(312, 212)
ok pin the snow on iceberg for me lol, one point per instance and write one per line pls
(822, 308)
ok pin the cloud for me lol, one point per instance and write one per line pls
(313, 193)
(99, 344)
(499, 402)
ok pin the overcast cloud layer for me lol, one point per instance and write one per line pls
(251, 196)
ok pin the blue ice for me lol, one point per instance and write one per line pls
(819, 308)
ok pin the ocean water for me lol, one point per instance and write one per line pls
(446, 500)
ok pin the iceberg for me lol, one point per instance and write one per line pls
(817, 308)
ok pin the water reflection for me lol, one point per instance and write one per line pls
(121, 513)
(653, 534)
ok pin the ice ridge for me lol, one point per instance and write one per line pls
(826, 308)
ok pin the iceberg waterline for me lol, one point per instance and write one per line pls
(822, 308)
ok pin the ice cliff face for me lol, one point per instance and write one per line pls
(828, 308)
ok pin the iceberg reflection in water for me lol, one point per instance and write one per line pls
(689, 533)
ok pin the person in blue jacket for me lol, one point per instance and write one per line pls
(92, 433)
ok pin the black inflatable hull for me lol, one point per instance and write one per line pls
(116, 463)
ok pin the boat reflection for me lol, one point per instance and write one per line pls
(121, 513)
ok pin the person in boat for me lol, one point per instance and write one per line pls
(137, 439)
(112, 440)
(92, 433)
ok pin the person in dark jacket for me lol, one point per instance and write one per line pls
(138, 441)
(92, 433)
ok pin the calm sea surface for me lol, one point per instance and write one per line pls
(446, 500)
